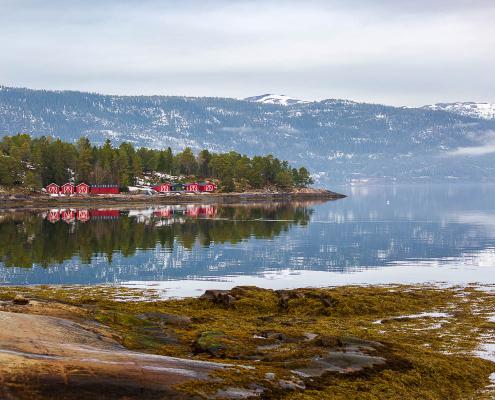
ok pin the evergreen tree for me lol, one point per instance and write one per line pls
(84, 165)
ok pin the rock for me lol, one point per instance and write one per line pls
(285, 295)
(291, 385)
(168, 319)
(270, 376)
(20, 300)
(211, 342)
(237, 393)
(328, 301)
(213, 295)
(219, 297)
(160, 335)
(327, 341)
(363, 344)
(339, 361)
(75, 362)
(310, 336)
(276, 336)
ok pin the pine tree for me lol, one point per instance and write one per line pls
(84, 165)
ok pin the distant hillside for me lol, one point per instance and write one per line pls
(339, 140)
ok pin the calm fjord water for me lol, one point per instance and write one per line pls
(380, 234)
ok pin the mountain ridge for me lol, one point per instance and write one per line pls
(339, 140)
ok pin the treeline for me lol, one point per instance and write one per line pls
(36, 162)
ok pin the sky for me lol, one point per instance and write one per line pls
(380, 51)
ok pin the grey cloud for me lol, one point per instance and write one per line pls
(398, 52)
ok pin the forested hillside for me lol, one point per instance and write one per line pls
(338, 140)
(36, 162)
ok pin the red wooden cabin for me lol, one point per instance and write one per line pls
(192, 187)
(207, 187)
(163, 188)
(104, 189)
(82, 188)
(67, 188)
(53, 188)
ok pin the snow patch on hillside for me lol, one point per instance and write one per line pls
(468, 109)
(279, 99)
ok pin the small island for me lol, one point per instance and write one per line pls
(49, 172)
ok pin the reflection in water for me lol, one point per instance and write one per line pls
(58, 235)
(376, 235)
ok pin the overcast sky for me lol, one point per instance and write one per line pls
(402, 52)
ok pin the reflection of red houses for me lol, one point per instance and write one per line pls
(82, 188)
(191, 187)
(192, 211)
(67, 188)
(163, 188)
(68, 215)
(104, 189)
(53, 216)
(163, 213)
(104, 214)
(83, 215)
(207, 187)
(209, 211)
(53, 188)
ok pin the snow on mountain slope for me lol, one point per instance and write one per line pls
(338, 140)
(467, 109)
(279, 99)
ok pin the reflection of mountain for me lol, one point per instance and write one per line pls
(431, 225)
(383, 225)
(44, 239)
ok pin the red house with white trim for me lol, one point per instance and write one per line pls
(82, 188)
(163, 188)
(207, 187)
(104, 189)
(191, 187)
(67, 188)
(53, 188)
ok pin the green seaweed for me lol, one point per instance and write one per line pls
(267, 331)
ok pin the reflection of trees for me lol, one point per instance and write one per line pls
(27, 238)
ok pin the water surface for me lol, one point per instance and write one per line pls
(381, 234)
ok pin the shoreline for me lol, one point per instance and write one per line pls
(340, 343)
(13, 201)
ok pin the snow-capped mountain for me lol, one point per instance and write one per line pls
(279, 99)
(469, 109)
(338, 140)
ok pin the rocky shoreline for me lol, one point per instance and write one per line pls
(43, 200)
(341, 343)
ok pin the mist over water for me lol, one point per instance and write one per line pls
(379, 234)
